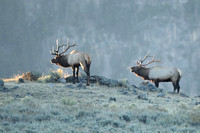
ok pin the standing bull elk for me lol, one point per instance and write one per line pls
(73, 60)
(158, 74)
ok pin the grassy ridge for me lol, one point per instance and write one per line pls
(63, 107)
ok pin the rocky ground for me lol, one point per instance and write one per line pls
(106, 106)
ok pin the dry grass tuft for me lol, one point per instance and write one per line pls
(68, 101)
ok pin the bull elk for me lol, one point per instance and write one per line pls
(158, 74)
(73, 60)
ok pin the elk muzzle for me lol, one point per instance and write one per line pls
(54, 60)
(134, 69)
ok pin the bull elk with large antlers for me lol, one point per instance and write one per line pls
(73, 60)
(158, 74)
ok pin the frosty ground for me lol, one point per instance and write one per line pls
(33, 107)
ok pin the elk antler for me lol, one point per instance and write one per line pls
(139, 63)
(153, 60)
(68, 46)
(55, 52)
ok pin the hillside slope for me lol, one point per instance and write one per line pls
(33, 107)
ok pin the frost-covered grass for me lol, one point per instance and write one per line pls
(54, 107)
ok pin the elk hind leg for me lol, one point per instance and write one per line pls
(77, 70)
(86, 68)
(73, 69)
(176, 86)
(88, 73)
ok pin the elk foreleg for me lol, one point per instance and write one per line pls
(77, 70)
(157, 84)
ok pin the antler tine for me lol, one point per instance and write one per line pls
(53, 52)
(74, 43)
(67, 42)
(153, 60)
(147, 55)
(139, 63)
(63, 46)
(57, 45)
(53, 49)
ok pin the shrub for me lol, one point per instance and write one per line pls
(20, 80)
(55, 75)
(113, 106)
(131, 106)
(194, 117)
(31, 76)
(52, 77)
(28, 100)
(7, 100)
(68, 101)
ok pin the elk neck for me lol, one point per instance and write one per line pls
(143, 73)
(63, 61)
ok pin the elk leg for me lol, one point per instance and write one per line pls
(175, 85)
(178, 87)
(86, 68)
(157, 84)
(87, 71)
(77, 70)
(73, 69)
(88, 74)
(88, 77)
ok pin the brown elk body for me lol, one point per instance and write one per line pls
(73, 60)
(158, 74)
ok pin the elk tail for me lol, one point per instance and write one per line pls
(180, 72)
(87, 62)
(87, 59)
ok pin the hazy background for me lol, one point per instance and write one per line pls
(114, 32)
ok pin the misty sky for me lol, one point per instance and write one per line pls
(115, 33)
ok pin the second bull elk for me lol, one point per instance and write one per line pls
(158, 74)
(73, 60)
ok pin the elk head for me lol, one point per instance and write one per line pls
(140, 64)
(56, 52)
